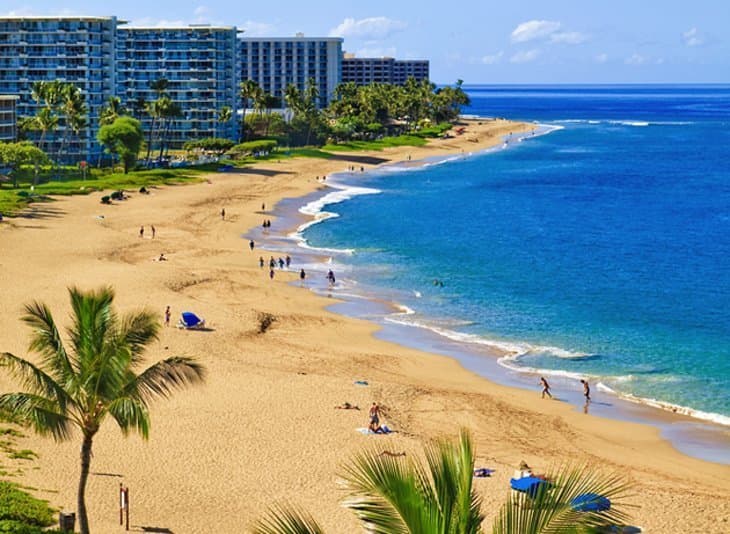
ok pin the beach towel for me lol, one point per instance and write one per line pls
(368, 432)
(483, 472)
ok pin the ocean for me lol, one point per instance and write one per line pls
(598, 248)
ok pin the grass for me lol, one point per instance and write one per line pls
(14, 200)
(70, 182)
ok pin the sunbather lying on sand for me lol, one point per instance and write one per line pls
(346, 406)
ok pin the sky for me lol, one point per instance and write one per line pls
(479, 41)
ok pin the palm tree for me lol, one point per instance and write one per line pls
(391, 495)
(553, 507)
(74, 111)
(248, 91)
(112, 110)
(168, 112)
(96, 379)
(154, 110)
(224, 117)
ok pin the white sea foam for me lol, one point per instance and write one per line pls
(668, 406)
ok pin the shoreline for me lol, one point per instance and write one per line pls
(263, 429)
(692, 432)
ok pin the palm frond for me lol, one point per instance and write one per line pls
(386, 494)
(47, 341)
(39, 413)
(551, 509)
(137, 330)
(162, 378)
(130, 414)
(283, 519)
(36, 380)
(93, 320)
(452, 466)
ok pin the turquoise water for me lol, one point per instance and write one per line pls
(599, 250)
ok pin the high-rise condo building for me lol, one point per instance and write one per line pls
(8, 118)
(274, 63)
(69, 49)
(199, 64)
(367, 70)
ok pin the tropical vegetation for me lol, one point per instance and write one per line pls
(78, 384)
(124, 138)
(393, 495)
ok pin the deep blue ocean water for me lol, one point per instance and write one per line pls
(601, 249)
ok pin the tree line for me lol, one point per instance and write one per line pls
(354, 113)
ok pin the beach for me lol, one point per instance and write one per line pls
(263, 429)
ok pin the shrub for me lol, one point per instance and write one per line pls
(21, 513)
(244, 149)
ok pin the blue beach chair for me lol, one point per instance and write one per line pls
(528, 485)
(590, 502)
(190, 321)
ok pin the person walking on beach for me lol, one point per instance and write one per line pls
(586, 390)
(281, 263)
(152, 227)
(141, 231)
(223, 214)
(331, 277)
(167, 316)
(261, 262)
(251, 244)
(287, 260)
(263, 206)
(302, 276)
(272, 262)
(271, 274)
(545, 387)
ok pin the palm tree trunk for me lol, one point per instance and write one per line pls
(242, 137)
(149, 141)
(85, 464)
(163, 134)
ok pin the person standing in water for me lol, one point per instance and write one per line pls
(545, 387)
(586, 390)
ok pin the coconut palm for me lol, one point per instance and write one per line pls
(249, 89)
(74, 111)
(112, 110)
(392, 496)
(79, 388)
(554, 508)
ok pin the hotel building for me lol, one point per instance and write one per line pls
(364, 71)
(199, 63)
(69, 49)
(274, 63)
(8, 118)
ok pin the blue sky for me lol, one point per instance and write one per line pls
(480, 41)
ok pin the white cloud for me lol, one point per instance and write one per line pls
(692, 37)
(534, 29)
(601, 58)
(572, 38)
(492, 59)
(372, 28)
(636, 59)
(525, 56)
(252, 28)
